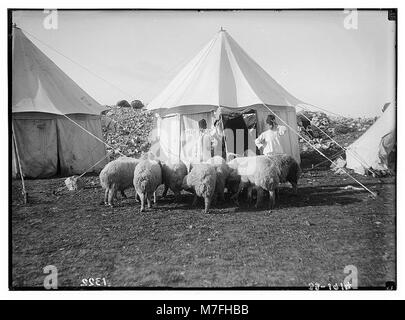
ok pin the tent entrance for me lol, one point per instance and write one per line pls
(240, 132)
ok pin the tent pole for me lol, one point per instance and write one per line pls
(24, 191)
(179, 117)
(223, 139)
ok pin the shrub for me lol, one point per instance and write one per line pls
(123, 104)
(137, 104)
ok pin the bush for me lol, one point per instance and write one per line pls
(342, 129)
(123, 104)
(137, 104)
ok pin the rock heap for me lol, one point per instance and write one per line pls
(127, 130)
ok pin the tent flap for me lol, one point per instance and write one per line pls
(37, 146)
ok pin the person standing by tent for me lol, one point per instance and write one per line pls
(269, 140)
(205, 143)
(218, 142)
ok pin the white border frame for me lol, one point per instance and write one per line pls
(193, 295)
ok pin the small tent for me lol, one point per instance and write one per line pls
(376, 147)
(222, 82)
(43, 96)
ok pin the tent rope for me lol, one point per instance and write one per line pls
(90, 133)
(78, 64)
(87, 170)
(337, 154)
(319, 108)
(358, 158)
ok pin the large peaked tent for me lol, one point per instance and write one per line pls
(373, 149)
(48, 111)
(220, 79)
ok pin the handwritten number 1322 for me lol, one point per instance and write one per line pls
(94, 282)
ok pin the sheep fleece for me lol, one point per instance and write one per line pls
(119, 172)
(289, 168)
(202, 178)
(147, 176)
(258, 170)
(173, 175)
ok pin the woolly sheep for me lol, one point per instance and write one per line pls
(289, 169)
(172, 176)
(239, 169)
(202, 180)
(222, 173)
(147, 177)
(117, 176)
(258, 172)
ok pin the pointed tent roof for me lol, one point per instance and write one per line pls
(221, 75)
(372, 148)
(39, 85)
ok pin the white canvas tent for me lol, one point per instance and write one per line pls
(373, 148)
(42, 94)
(220, 79)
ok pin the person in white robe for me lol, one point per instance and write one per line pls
(269, 141)
(207, 140)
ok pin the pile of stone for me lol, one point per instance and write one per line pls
(317, 126)
(127, 130)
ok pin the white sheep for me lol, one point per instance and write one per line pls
(202, 181)
(147, 177)
(258, 172)
(172, 176)
(117, 176)
(223, 171)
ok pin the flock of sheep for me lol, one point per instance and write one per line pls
(208, 180)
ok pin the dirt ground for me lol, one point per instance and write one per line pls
(308, 238)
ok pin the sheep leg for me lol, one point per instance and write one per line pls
(250, 195)
(272, 200)
(220, 191)
(177, 196)
(106, 196)
(149, 199)
(259, 197)
(295, 187)
(111, 195)
(214, 200)
(235, 197)
(194, 200)
(207, 203)
(154, 197)
(142, 196)
(164, 194)
(222, 196)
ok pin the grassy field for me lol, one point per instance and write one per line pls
(310, 237)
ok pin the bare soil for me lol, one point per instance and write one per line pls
(308, 238)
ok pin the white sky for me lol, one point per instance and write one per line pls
(350, 72)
